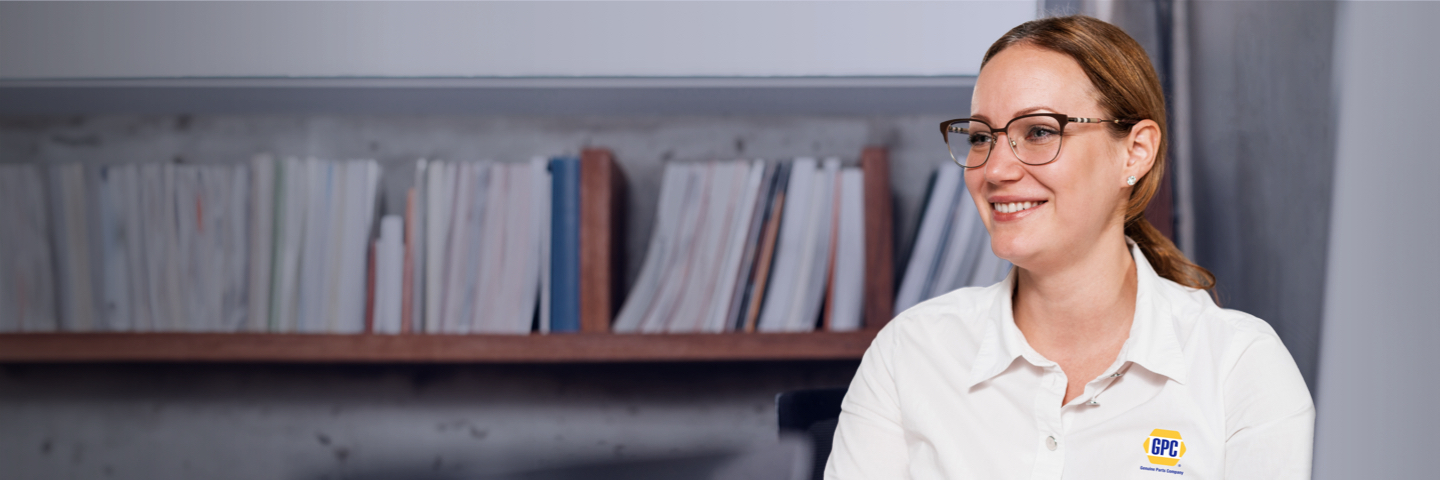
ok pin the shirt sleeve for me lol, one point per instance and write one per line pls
(869, 439)
(1269, 416)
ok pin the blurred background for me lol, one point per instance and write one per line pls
(1302, 175)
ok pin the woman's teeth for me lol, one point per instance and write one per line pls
(1015, 206)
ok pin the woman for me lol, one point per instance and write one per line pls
(1101, 355)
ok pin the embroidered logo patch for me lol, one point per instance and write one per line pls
(1164, 447)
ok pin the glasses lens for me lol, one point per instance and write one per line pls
(969, 142)
(1036, 139)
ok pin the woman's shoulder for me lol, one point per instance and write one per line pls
(964, 304)
(1195, 308)
(959, 317)
(1236, 342)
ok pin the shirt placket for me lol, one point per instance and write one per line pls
(1050, 426)
(1089, 399)
(1097, 387)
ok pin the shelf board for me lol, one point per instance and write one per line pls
(542, 96)
(323, 348)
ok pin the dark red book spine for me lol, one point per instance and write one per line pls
(602, 196)
(370, 289)
(879, 238)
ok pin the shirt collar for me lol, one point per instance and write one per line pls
(1153, 343)
(1000, 345)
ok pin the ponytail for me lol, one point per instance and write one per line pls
(1167, 260)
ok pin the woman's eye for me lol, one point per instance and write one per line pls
(1041, 134)
(978, 139)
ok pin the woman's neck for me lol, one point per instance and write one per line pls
(1081, 307)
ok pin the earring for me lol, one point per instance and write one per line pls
(1130, 181)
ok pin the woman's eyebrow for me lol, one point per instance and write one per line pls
(1023, 111)
(1033, 109)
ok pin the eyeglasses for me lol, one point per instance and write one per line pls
(1038, 143)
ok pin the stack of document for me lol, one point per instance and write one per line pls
(479, 242)
(264, 246)
(312, 223)
(752, 245)
(153, 247)
(291, 245)
(27, 284)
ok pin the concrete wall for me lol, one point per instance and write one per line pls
(1377, 362)
(360, 421)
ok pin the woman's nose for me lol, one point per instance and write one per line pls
(1003, 165)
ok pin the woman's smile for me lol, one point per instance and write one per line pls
(1011, 210)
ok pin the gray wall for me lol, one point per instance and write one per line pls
(464, 39)
(1377, 362)
(1263, 160)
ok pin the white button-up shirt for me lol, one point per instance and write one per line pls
(951, 390)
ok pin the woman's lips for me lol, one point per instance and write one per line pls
(1006, 211)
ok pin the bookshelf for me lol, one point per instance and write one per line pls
(406, 96)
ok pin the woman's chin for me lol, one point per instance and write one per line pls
(1019, 250)
(1008, 248)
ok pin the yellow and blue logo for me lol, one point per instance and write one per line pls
(1164, 447)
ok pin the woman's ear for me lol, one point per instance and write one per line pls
(1141, 147)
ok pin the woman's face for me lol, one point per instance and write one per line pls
(1074, 199)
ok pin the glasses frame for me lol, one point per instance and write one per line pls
(947, 127)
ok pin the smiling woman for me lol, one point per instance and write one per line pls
(1099, 69)
(1104, 332)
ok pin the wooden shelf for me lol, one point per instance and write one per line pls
(592, 96)
(320, 348)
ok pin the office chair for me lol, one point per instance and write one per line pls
(813, 413)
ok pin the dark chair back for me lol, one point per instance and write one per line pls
(813, 413)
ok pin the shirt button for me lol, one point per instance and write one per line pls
(1051, 444)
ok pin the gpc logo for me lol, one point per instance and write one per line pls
(1164, 447)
